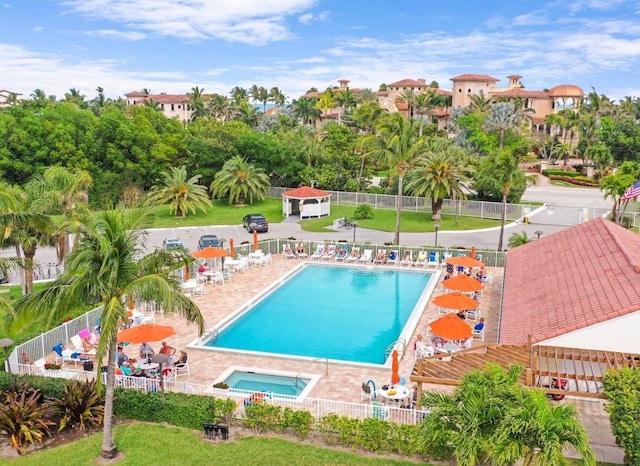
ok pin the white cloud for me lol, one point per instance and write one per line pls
(254, 22)
(125, 35)
(312, 60)
(306, 18)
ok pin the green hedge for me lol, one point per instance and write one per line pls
(552, 172)
(49, 387)
(179, 409)
(622, 388)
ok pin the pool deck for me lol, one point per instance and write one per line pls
(343, 381)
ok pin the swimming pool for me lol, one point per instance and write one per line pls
(342, 313)
(261, 382)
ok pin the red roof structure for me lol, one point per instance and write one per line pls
(519, 92)
(570, 280)
(474, 77)
(306, 192)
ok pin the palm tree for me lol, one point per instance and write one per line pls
(59, 191)
(240, 180)
(305, 110)
(254, 92)
(197, 103)
(107, 267)
(479, 103)
(325, 102)
(408, 97)
(439, 174)
(263, 96)
(615, 185)
(501, 172)
(239, 95)
(346, 99)
(246, 113)
(503, 116)
(220, 107)
(518, 239)
(277, 97)
(397, 145)
(425, 103)
(183, 194)
(24, 227)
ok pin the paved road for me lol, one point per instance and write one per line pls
(488, 238)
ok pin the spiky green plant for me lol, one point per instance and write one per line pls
(24, 419)
(81, 406)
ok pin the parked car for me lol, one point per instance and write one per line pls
(172, 243)
(206, 241)
(255, 222)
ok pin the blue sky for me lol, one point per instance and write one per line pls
(171, 46)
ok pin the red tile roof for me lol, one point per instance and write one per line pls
(570, 280)
(474, 77)
(304, 192)
(566, 90)
(408, 82)
(519, 92)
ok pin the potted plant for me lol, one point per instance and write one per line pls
(49, 366)
(221, 385)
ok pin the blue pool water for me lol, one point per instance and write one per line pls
(257, 382)
(341, 313)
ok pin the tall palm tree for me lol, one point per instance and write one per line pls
(196, 101)
(59, 191)
(345, 99)
(254, 92)
(263, 97)
(239, 95)
(220, 107)
(25, 227)
(107, 267)
(501, 172)
(518, 239)
(277, 97)
(325, 102)
(397, 145)
(439, 174)
(246, 113)
(425, 103)
(240, 180)
(479, 103)
(305, 110)
(181, 192)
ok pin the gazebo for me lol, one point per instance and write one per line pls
(307, 202)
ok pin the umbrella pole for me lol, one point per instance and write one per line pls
(162, 382)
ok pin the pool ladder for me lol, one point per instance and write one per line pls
(401, 343)
(326, 368)
(210, 335)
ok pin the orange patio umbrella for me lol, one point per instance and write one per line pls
(450, 327)
(463, 283)
(255, 240)
(232, 250)
(464, 261)
(456, 300)
(210, 253)
(395, 366)
(146, 332)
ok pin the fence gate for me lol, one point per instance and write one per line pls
(566, 216)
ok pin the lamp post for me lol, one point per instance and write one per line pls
(456, 201)
(354, 225)
(437, 227)
(538, 233)
(5, 343)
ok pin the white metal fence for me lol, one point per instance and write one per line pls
(463, 208)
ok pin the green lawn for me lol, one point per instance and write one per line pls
(384, 220)
(151, 444)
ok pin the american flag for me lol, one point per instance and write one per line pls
(632, 192)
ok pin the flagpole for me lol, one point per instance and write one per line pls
(621, 214)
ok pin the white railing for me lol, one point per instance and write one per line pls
(461, 207)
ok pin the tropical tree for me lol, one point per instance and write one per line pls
(408, 96)
(305, 110)
(109, 266)
(501, 173)
(518, 239)
(24, 227)
(60, 191)
(196, 100)
(183, 194)
(277, 97)
(425, 103)
(240, 180)
(220, 107)
(492, 419)
(439, 174)
(480, 103)
(615, 185)
(503, 116)
(239, 95)
(397, 145)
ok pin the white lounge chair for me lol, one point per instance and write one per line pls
(434, 259)
(393, 257)
(407, 259)
(329, 253)
(423, 351)
(366, 256)
(355, 254)
(381, 256)
(421, 260)
(301, 252)
(287, 252)
(342, 254)
(319, 252)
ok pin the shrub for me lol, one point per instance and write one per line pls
(81, 406)
(24, 418)
(300, 422)
(557, 172)
(363, 211)
(220, 385)
(49, 387)
(263, 417)
(622, 388)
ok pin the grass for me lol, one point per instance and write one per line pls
(220, 214)
(410, 222)
(15, 291)
(151, 444)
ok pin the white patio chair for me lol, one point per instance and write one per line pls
(393, 257)
(434, 259)
(366, 256)
(354, 255)
(407, 259)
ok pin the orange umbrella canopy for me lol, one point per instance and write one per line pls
(456, 300)
(463, 283)
(210, 253)
(450, 327)
(255, 240)
(464, 261)
(395, 365)
(145, 333)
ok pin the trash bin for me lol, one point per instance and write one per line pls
(88, 365)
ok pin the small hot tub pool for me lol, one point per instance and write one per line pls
(274, 382)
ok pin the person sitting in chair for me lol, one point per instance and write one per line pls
(146, 351)
(480, 325)
(182, 360)
(167, 350)
(381, 257)
(287, 250)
